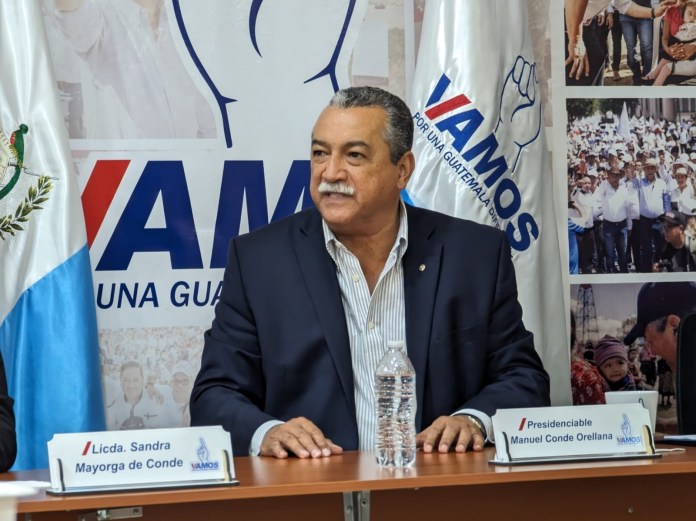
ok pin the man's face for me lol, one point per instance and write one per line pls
(674, 234)
(662, 343)
(650, 172)
(614, 178)
(348, 148)
(132, 384)
(181, 388)
(681, 180)
(586, 184)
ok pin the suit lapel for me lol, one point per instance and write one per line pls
(319, 273)
(421, 265)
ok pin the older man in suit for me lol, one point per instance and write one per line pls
(309, 302)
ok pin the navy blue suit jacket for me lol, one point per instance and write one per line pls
(278, 347)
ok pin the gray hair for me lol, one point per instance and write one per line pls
(660, 324)
(398, 131)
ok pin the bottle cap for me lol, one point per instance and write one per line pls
(395, 344)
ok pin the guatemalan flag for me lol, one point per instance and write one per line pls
(481, 154)
(48, 333)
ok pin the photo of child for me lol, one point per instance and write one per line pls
(685, 34)
(628, 333)
(611, 358)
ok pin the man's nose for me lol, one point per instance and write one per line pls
(335, 169)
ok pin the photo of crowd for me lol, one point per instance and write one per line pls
(630, 42)
(631, 174)
(624, 337)
(147, 376)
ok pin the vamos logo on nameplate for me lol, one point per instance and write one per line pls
(139, 459)
(572, 433)
(204, 463)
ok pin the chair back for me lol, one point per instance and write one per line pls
(686, 372)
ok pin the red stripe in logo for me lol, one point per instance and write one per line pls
(87, 446)
(447, 106)
(524, 420)
(100, 191)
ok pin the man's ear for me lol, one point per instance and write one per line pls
(405, 167)
(673, 322)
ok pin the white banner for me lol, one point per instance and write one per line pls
(481, 155)
(189, 126)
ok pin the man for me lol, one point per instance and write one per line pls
(661, 307)
(674, 152)
(599, 259)
(584, 56)
(586, 241)
(144, 90)
(134, 408)
(579, 182)
(633, 248)
(684, 139)
(653, 201)
(180, 386)
(682, 193)
(679, 251)
(309, 302)
(616, 207)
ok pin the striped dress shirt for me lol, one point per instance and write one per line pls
(372, 320)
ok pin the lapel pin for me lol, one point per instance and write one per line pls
(421, 267)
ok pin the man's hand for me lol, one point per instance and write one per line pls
(686, 51)
(660, 9)
(681, 51)
(577, 56)
(451, 431)
(300, 437)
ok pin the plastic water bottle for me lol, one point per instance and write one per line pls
(395, 398)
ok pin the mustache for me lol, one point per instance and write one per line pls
(335, 188)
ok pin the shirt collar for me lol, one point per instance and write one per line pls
(400, 244)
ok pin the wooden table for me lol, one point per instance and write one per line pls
(456, 484)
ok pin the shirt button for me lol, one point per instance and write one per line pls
(356, 278)
(370, 325)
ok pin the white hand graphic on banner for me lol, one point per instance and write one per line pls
(519, 118)
(263, 62)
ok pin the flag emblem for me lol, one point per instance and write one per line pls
(11, 167)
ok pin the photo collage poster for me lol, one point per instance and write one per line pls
(629, 181)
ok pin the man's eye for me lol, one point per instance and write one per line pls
(355, 155)
(318, 153)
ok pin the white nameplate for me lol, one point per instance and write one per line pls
(140, 459)
(542, 434)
